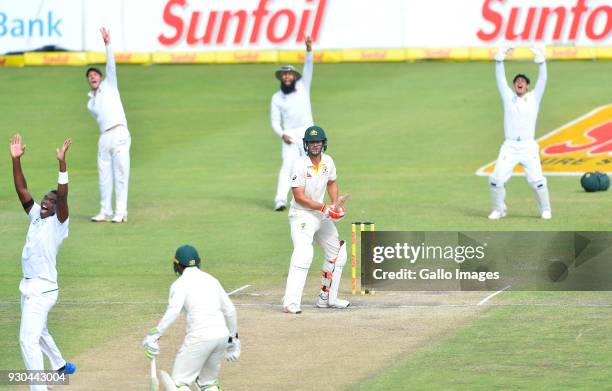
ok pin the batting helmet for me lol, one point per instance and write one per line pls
(590, 182)
(186, 256)
(314, 133)
(288, 68)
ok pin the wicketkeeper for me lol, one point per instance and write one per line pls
(211, 331)
(520, 114)
(310, 218)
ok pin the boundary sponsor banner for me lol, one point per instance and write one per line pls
(297, 57)
(120, 58)
(12, 61)
(55, 58)
(582, 145)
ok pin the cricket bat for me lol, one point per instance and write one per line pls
(341, 200)
(154, 380)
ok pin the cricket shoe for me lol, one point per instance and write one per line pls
(292, 309)
(100, 218)
(339, 303)
(280, 206)
(546, 215)
(68, 369)
(119, 218)
(498, 214)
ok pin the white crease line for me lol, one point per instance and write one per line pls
(238, 290)
(492, 295)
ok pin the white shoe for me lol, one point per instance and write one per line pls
(119, 218)
(280, 206)
(100, 218)
(547, 215)
(497, 214)
(292, 309)
(339, 303)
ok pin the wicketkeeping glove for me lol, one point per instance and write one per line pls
(151, 343)
(503, 51)
(540, 53)
(232, 352)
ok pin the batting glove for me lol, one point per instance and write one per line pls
(151, 348)
(331, 213)
(540, 53)
(232, 352)
(151, 344)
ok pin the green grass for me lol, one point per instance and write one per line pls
(406, 138)
(556, 345)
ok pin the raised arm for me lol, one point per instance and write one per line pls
(308, 63)
(21, 186)
(540, 59)
(111, 68)
(500, 71)
(62, 183)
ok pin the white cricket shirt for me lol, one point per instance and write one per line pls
(44, 237)
(314, 181)
(292, 113)
(210, 312)
(520, 113)
(105, 103)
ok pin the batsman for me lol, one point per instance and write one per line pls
(310, 218)
(211, 326)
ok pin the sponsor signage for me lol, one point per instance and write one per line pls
(261, 25)
(583, 145)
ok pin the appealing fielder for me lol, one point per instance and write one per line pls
(520, 115)
(310, 219)
(291, 114)
(114, 143)
(39, 288)
(211, 326)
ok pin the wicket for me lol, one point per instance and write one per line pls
(362, 228)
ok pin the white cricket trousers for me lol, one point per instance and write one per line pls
(306, 226)
(511, 153)
(201, 360)
(114, 165)
(290, 154)
(34, 337)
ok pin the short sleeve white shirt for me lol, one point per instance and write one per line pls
(313, 180)
(43, 240)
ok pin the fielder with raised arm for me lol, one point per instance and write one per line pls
(520, 115)
(211, 326)
(39, 289)
(310, 218)
(291, 114)
(115, 140)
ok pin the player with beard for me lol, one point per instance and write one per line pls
(311, 219)
(290, 115)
